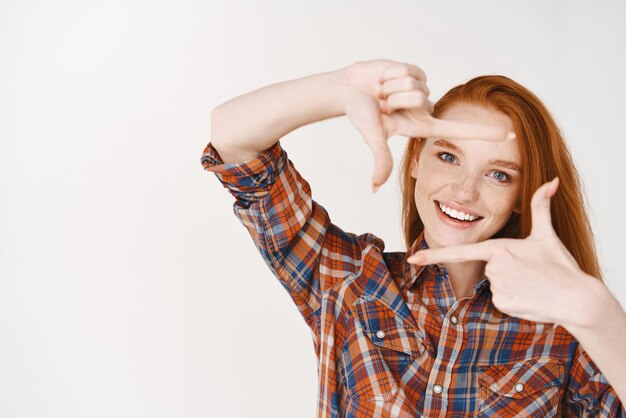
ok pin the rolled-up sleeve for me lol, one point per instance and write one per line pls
(248, 181)
(588, 392)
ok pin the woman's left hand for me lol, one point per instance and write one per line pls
(535, 278)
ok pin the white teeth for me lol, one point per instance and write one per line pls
(456, 214)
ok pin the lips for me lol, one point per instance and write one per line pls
(456, 214)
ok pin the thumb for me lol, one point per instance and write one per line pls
(375, 137)
(364, 113)
(383, 163)
(540, 209)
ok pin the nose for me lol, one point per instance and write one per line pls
(465, 188)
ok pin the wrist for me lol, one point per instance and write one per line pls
(342, 84)
(593, 307)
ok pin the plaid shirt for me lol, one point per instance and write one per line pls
(390, 337)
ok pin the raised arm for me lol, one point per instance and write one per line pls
(243, 127)
(381, 98)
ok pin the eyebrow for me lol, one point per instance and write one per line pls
(502, 163)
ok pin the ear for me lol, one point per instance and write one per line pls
(518, 207)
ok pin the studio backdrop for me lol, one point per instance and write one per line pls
(128, 288)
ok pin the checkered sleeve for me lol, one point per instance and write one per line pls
(588, 392)
(293, 233)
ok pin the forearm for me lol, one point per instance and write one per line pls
(604, 336)
(244, 126)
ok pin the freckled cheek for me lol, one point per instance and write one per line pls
(425, 190)
(435, 179)
(501, 203)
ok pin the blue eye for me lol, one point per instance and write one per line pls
(501, 177)
(447, 157)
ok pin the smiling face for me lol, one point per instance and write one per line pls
(474, 180)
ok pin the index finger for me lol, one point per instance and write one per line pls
(454, 254)
(460, 130)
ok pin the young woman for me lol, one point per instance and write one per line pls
(459, 325)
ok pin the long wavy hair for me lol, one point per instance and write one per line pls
(544, 156)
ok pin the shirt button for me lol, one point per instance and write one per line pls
(380, 334)
(519, 387)
(454, 319)
(437, 389)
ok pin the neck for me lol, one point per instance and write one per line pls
(464, 276)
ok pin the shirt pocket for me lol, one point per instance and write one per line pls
(531, 388)
(378, 350)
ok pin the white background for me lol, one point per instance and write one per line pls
(127, 286)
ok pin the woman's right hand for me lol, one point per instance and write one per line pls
(385, 98)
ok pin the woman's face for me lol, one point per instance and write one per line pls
(476, 180)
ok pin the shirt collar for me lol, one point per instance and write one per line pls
(412, 272)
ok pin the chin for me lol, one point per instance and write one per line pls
(442, 237)
(449, 240)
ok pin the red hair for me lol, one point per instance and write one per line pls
(544, 156)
